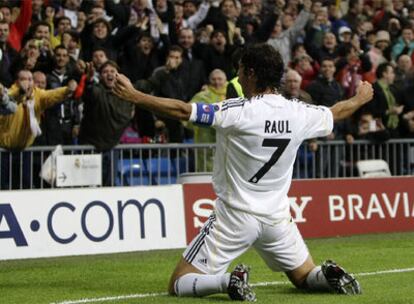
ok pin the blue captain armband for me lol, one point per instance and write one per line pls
(204, 114)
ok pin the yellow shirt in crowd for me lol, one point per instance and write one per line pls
(15, 131)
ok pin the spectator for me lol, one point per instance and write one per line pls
(195, 66)
(98, 34)
(63, 24)
(364, 29)
(282, 40)
(143, 54)
(37, 10)
(70, 10)
(408, 124)
(307, 68)
(187, 41)
(351, 68)
(224, 19)
(367, 127)
(171, 81)
(355, 13)
(249, 19)
(325, 90)
(40, 32)
(19, 130)
(344, 35)
(370, 128)
(385, 103)
(27, 58)
(404, 44)
(218, 55)
(319, 27)
(117, 13)
(329, 48)
(60, 119)
(403, 73)
(215, 92)
(39, 80)
(105, 117)
(19, 27)
(8, 55)
(187, 15)
(99, 57)
(71, 41)
(234, 88)
(7, 104)
(334, 17)
(292, 90)
(380, 52)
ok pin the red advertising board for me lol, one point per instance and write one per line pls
(331, 207)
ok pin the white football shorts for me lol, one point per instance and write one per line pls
(228, 233)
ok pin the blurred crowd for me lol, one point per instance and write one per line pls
(59, 58)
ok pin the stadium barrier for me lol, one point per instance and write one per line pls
(160, 164)
(328, 207)
(46, 223)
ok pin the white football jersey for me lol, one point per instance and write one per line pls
(256, 144)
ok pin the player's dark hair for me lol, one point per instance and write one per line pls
(267, 64)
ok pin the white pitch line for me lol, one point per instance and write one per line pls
(114, 298)
(364, 274)
(157, 294)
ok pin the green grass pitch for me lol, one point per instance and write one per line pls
(137, 274)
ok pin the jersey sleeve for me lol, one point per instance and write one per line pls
(318, 121)
(222, 115)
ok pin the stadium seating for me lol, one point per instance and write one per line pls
(154, 171)
(132, 172)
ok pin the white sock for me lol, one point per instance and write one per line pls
(199, 285)
(316, 280)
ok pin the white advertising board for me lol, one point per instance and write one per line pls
(78, 170)
(46, 223)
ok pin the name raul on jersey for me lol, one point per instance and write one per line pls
(277, 126)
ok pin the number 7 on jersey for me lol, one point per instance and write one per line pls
(280, 144)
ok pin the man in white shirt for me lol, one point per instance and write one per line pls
(257, 140)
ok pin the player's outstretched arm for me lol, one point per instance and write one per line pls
(172, 108)
(346, 108)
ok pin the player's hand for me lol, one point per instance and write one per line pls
(123, 88)
(364, 92)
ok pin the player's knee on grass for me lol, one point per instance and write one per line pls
(171, 290)
(299, 281)
(299, 275)
(182, 268)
